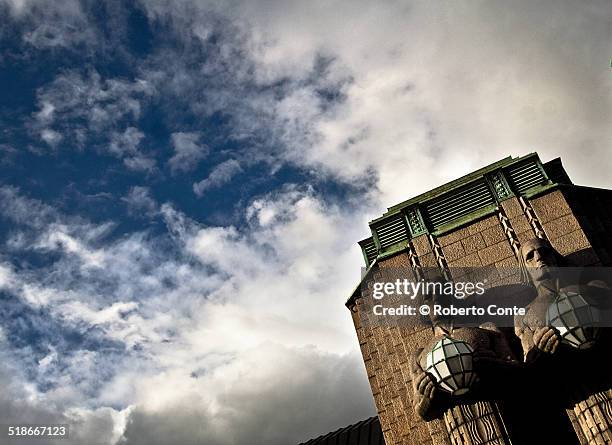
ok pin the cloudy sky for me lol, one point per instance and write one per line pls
(182, 186)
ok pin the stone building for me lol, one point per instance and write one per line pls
(482, 220)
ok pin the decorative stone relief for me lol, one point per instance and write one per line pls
(509, 231)
(533, 218)
(502, 191)
(440, 258)
(471, 424)
(414, 261)
(415, 221)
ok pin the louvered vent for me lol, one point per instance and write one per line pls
(458, 203)
(391, 231)
(369, 248)
(524, 176)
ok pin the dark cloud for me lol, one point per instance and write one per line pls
(300, 395)
(17, 406)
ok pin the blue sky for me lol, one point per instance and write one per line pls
(182, 186)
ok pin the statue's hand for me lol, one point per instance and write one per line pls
(546, 339)
(425, 385)
(425, 389)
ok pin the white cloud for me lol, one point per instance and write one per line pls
(126, 142)
(140, 162)
(88, 110)
(23, 211)
(140, 202)
(424, 92)
(57, 238)
(58, 24)
(203, 322)
(220, 175)
(16, 6)
(126, 146)
(188, 151)
(6, 275)
(44, 362)
(46, 112)
(104, 426)
(119, 321)
(51, 137)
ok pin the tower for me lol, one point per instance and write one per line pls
(482, 220)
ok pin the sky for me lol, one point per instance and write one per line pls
(183, 184)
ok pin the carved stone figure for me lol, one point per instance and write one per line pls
(538, 260)
(473, 417)
(542, 267)
(579, 376)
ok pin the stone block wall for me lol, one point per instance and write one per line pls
(387, 352)
(558, 214)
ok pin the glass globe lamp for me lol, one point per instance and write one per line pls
(451, 363)
(576, 320)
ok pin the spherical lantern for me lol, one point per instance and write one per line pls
(450, 361)
(576, 320)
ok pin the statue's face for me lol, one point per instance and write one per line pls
(539, 258)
